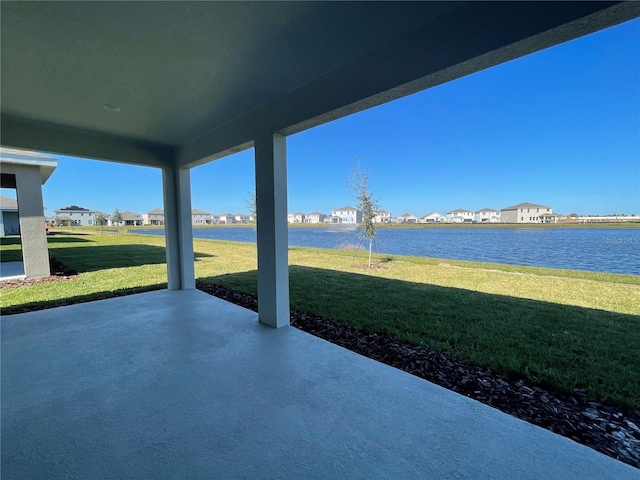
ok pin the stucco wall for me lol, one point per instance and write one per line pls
(33, 235)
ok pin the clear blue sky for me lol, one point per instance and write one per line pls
(560, 127)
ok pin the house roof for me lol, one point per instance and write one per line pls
(406, 215)
(525, 205)
(381, 212)
(487, 210)
(155, 211)
(7, 203)
(460, 210)
(127, 215)
(30, 159)
(432, 214)
(195, 211)
(345, 209)
(316, 213)
(74, 208)
(231, 69)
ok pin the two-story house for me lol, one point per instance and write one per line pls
(153, 217)
(525, 213)
(486, 215)
(382, 216)
(460, 216)
(226, 218)
(315, 217)
(348, 215)
(297, 217)
(78, 216)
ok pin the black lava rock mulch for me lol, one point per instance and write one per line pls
(609, 429)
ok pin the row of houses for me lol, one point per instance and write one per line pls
(521, 213)
(79, 216)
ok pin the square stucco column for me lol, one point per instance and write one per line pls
(35, 253)
(176, 189)
(273, 242)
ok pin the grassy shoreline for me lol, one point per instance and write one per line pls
(560, 327)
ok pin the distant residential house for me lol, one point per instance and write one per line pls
(78, 216)
(226, 218)
(549, 218)
(106, 216)
(382, 216)
(486, 215)
(433, 217)
(460, 216)
(348, 215)
(214, 219)
(200, 217)
(315, 217)
(525, 213)
(297, 217)
(407, 218)
(131, 219)
(332, 219)
(153, 217)
(242, 218)
(9, 218)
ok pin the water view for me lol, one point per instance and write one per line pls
(607, 250)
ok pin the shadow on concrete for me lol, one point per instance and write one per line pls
(103, 257)
(549, 343)
(43, 305)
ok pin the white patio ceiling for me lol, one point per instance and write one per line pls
(194, 81)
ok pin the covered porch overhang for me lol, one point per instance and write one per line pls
(180, 384)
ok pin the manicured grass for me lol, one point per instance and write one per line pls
(564, 328)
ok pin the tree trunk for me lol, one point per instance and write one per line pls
(370, 241)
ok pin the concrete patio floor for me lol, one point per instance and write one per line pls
(11, 271)
(179, 384)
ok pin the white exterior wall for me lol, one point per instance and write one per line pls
(315, 218)
(350, 217)
(523, 215)
(82, 219)
(486, 217)
(383, 217)
(460, 217)
(433, 218)
(152, 219)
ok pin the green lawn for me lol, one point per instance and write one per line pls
(564, 328)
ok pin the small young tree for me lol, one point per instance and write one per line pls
(252, 205)
(365, 202)
(116, 217)
(101, 220)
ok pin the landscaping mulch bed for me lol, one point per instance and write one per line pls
(59, 273)
(609, 429)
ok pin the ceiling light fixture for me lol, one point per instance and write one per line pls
(111, 108)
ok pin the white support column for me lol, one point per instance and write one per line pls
(176, 189)
(33, 235)
(273, 242)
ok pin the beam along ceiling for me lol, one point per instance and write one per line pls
(182, 75)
